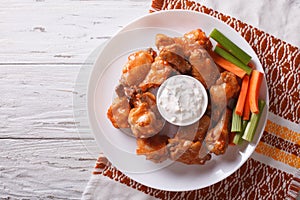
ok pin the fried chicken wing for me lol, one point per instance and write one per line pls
(188, 43)
(161, 41)
(144, 119)
(200, 38)
(120, 90)
(118, 112)
(154, 148)
(178, 62)
(218, 101)
(217, 138)
(176, 49)
(204, 68)
(194, 132)
(186, 146)
(187, 152)
(226, 87)
(137, 67)
(159, 72)
(232, 86)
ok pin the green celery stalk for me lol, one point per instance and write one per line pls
(232, 59)
(230, 46)
(253, 122)
(236, 124)
(238, 136)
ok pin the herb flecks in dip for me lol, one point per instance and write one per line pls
(182, 100)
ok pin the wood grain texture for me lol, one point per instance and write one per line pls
(61, 31)
(43, 46)
(43, 169)
(36, 101)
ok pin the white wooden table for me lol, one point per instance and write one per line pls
(43, 46)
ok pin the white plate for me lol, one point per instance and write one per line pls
(120, 148)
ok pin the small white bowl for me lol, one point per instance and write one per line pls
(182, 100)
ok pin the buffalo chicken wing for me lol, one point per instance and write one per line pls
(144, 119)
(218, 137)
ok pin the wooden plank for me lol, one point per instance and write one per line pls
(44, 169)
(37, 101)
(61, 31)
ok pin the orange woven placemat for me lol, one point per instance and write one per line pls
(256, 179)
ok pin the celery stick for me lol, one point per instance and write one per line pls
(252, 125)
(236, 124)
(230, 46)
(238, 136)
(232, 59)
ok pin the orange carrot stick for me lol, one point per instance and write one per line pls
(246, 111)
(254, 88)
(227, 65)
(242, 97)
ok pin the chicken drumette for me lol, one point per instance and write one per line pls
(186, 146)
(225, 88)
(218, 137)
(144, 119)
(137, 67)
(188, 55)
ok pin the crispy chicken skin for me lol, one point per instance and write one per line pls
(217, 138)
(187, 152)
(144, 122)
(144, 119)
(118, 112)
(194, 132)
(154, 148)
(137, 67)
(232, 86)
(186, 146)
(225, 88)
(146, 97)
(159, 72)
(188, 43)
(218, 101)
(161, 41)
(178, 62)
(120, 90)
(200, 38)
(204, 68)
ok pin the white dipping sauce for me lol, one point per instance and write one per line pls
(182, 100)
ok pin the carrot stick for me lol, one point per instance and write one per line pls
(246, 111)
(254, 88)
(242, 97)
(227, 65)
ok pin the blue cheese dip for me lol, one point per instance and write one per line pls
(182, 100)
